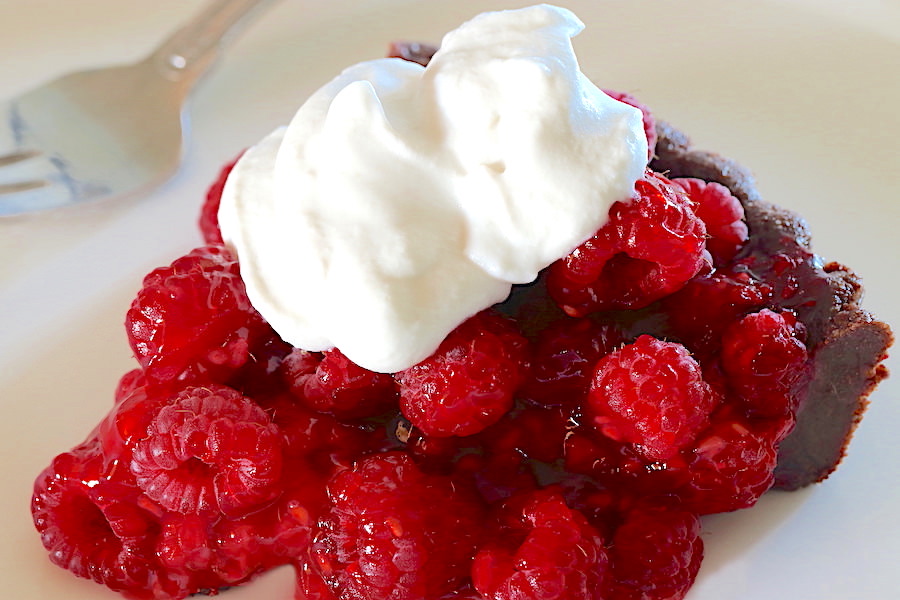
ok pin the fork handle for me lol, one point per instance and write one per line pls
(188, 52)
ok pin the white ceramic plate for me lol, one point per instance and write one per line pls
(794, 89)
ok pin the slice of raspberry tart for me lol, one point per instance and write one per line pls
(639, 340)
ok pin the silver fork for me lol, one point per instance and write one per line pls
(109, 132)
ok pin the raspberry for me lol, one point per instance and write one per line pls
(210, 556)
(646, 116)
(209, 213)
(544, 550)
(506, 457)
(210, 449)
(129, 419)
(649, 248)
(656, 553)
(468, 383)
(651, 394)
(731, 466)
(129, 382)
(319, 439)
(723, 215)
(333, 384)
(702, 310)
(193, 320)
(764, 359)
(90, 521)
(563, 361)
(394, 532)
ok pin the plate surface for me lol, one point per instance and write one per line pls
(804, 97)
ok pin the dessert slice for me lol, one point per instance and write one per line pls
(562, 443)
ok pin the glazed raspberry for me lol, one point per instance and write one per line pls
(649, 248)
(331, 383)
(193, 320)
(563, 360)
(731, 466)
(651, 394)
(90, 521)
(764, 360)
(211, 555)
(702, 310)
(656, 553)
(209, 213)
(722, 214)
(543, 551)
(129, 382)
(504, 459)
(129, 419)
(468, 383)
(210, 449)
(394, 532)
(319, 439)
(646, 115)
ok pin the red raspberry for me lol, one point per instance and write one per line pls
(503, 459)
(723, 215)
(531, 432)
(544, 551)
(646, 115)
(764, 360)
(319, 439)
(731, 466)
(211, 556)
(331, 383)
(469, 382)
(193, 320)
(702, 310)
(651, 394)
(210, 449)
(209, 213)
(90, 521)
(394, 532)
(649, 248)
(563, 360)
(656, 553)
(129, 382)
(129, 419)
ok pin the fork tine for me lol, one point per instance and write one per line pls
(18, 156)
(21, 186)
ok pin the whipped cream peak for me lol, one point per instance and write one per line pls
(401, 200)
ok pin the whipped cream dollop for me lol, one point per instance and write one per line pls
(401, 200)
